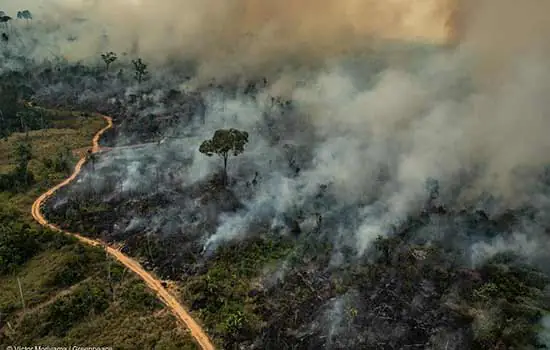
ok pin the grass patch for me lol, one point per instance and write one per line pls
(71, 130)
(90, 313)
(71, 293)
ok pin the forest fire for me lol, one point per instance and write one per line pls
(314, 174)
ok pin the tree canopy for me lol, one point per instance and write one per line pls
(223, 143)
(140, 69)
(5, 19)
(108, 58)
(25, 14)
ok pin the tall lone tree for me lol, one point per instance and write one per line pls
(25, 14)
(4, 19)
(224, 143)
(108, 58)
(23, 155)
(140, 70)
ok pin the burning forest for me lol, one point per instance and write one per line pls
(335, 176)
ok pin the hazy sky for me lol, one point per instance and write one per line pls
(396, 17)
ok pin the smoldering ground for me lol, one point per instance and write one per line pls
(376, 140)
(370, 120)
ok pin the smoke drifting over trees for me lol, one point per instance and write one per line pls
(352, 108)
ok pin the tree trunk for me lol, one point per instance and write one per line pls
(147, 236)
(21, 293)
(158, 179)
(225, 157)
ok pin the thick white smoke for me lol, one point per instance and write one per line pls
(379, 105)
(376, 117)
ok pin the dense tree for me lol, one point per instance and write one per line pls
(8, 109)
(140, 69)
(23, 155)
(223, 143)
(21, 177)
(108, 58)
(17, 240)
(14, 115)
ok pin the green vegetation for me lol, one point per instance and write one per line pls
(223, 143)
(20, 177)
(33, 161)
(18, 117)
(502, 301)
(509, 304)
(221, 295)
(53, 289)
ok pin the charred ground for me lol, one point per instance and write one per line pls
(288, 291)
(274, 292)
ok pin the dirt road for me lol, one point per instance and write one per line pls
(154, 283)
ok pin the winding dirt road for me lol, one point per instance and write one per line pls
(167, 298)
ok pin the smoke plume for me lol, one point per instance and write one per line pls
(381, 101)
(229, 37)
